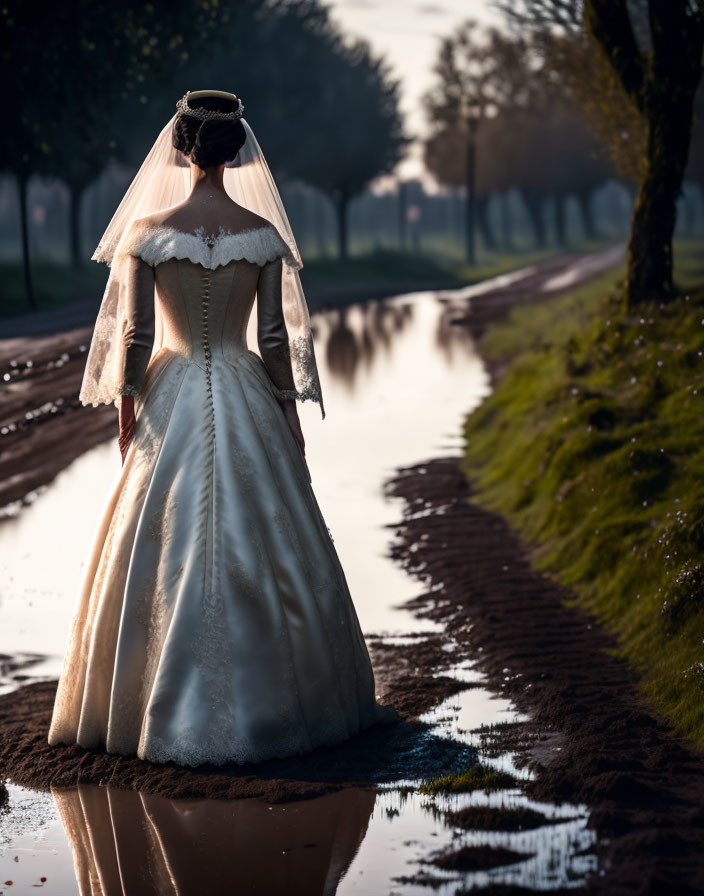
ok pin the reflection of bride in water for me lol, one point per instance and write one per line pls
(127, 844)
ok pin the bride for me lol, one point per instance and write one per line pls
(214, 623)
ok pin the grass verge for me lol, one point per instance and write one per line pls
(592, 445)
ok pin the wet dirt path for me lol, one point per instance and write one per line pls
(421, 675)
(591, 739)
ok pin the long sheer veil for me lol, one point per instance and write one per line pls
(163, 181)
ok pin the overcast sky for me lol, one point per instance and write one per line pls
(407, 33)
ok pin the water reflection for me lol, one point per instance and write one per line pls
(342, 351)
(125, 842)
(398, 376)
(450, 339)
(396, 392)
(354, 336)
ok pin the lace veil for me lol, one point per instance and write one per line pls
(164, 181)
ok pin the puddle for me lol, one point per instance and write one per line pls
(379, 365)
(350, 842)
(399, 378)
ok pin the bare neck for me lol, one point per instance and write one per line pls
(207, 181)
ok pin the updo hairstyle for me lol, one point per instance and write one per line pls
(212, 142)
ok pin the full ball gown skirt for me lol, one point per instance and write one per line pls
(214, 623)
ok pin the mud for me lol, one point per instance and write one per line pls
(590, 739)
(644, 787)
(384, 753)
(489, 818)
(43, 427)
(476, 858)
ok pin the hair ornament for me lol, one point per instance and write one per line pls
(210, 114)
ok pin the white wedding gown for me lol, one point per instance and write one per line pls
(214, 623)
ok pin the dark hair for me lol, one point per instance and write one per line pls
(212, 142)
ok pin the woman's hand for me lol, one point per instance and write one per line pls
(126, 424)
(291, 415)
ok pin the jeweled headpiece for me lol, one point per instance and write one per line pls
(210, 114)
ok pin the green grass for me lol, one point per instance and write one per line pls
(476, 777)
(689, 262)
(592, 445)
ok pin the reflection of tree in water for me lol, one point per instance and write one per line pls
(341, 350)
(128, 842)
(451, 333)
(348, 345)
(381, 322)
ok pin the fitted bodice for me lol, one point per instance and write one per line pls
(204, 288)
(205, 309)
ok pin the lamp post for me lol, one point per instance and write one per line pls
(472, 124)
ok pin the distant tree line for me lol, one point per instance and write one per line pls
(94, 80)
(529, 135)
(577, 91)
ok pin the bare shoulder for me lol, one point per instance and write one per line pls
(189, 217)
(240, 219)
(156, 219)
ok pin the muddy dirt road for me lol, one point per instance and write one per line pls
(485, 607)
(591, 738)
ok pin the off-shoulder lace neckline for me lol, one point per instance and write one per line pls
(156, 243)
(202, 234)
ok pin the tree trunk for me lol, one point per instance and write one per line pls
(24, 229)
(649, 275)
(586, 212)
(484, 223)
(470, 253)
(506, 224)
(560, 220)
(662, 85)
(319, 220)
(457, 209)
(534, 207)
(74, 212)
(342, 206)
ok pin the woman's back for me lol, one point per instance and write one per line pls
(204, 287)
(214, 623)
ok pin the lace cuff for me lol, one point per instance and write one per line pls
(285, 394)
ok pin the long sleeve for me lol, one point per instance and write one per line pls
(137, 323)
(272, 336)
